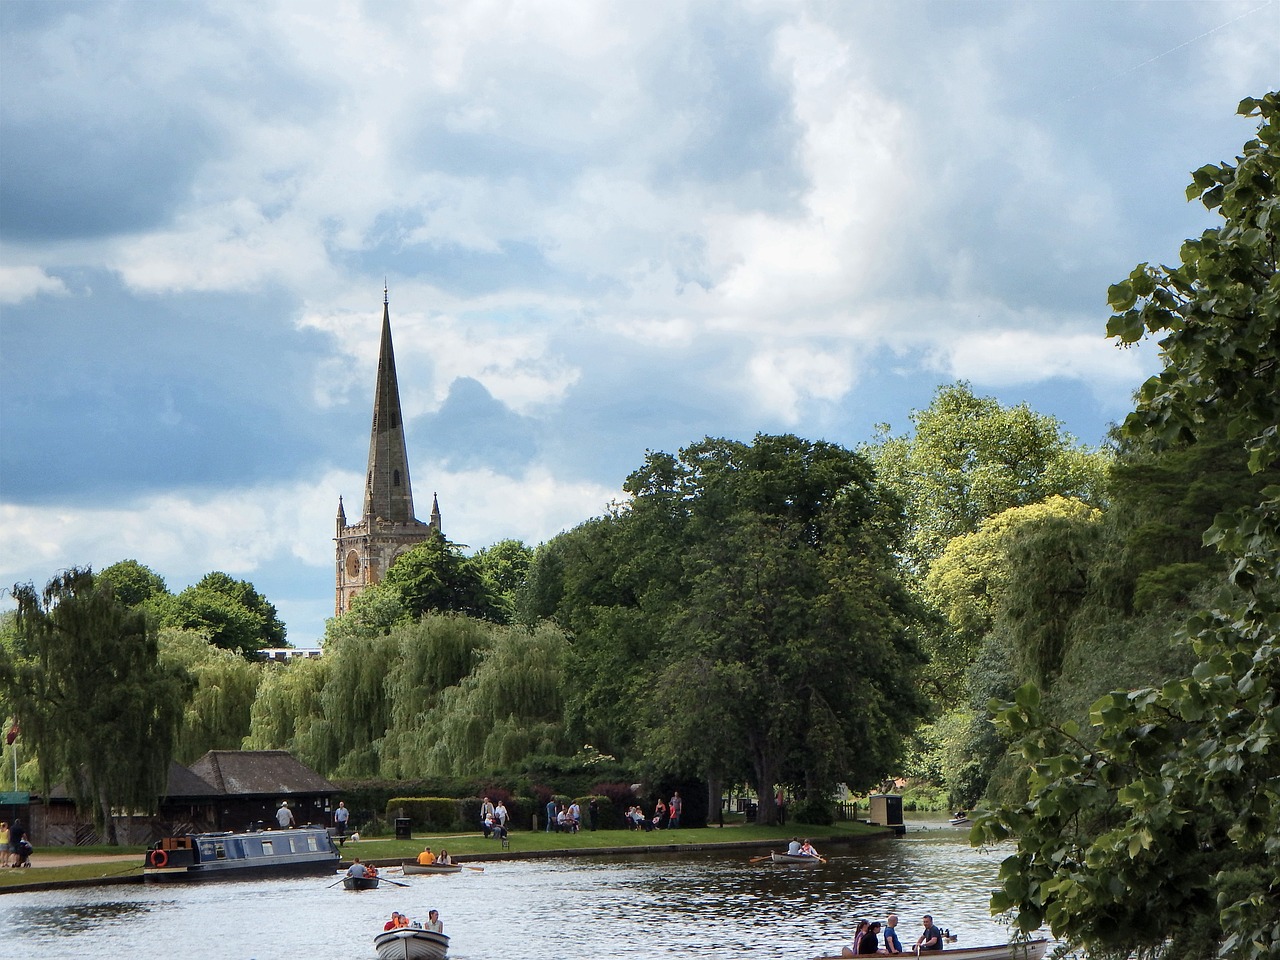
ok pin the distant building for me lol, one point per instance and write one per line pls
(285, 654)
(388, 527)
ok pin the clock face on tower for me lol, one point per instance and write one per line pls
(353, 565)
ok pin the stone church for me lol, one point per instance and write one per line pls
(387, 526)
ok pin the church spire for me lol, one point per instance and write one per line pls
(387, 494)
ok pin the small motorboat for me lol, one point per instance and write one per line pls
(960, 819)
(411, 943)
(1027, 950)
(360, 883)
(796, 858)
(413, 866)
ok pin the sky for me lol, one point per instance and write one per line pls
(604, 228)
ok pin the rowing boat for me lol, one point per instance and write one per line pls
(412, 866)
(796, 858)
(409, 943)
(1029, 950)
(359, 883)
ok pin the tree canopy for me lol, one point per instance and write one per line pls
(1159, 833)
(90, 692)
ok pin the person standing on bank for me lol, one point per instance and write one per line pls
(340, 818)
(674, 809)
(284, 816)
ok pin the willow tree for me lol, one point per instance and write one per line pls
(286, 707)
(93, 698)
(219, 713)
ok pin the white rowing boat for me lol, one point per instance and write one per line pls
(1028, 950)
(408, 943)
(412, 866)
(797, 858)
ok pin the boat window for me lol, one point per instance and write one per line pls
(311, 844)
(220, 850)
(267, 848)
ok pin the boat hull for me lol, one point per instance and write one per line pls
(410, 944)
(796, 858)
(258, 854)
(1031, 950)
(360, 883)
(411, 866)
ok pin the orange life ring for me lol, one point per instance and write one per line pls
(159, 858)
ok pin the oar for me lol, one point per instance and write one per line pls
(469, 866)
(336, 882)
(396, 882)
(758, 859)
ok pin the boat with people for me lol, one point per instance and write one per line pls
(299, 851)
(413, 866)
(411, 943)
(959, 819)
(1024, 950)
(802, 858)
(360, 883)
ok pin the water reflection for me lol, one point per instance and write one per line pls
(706, 903)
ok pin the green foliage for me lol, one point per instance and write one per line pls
(218, 714)
(971, 458)
(427, 813)
(230, 612)
(1160, 835)
(74, 643)
(134, 583)
(745, 603)
(435, 577)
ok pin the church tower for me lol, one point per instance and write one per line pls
(388, 527)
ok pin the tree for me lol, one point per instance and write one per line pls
(217, 716)
(1162, 835)
(133, 582)
(230, 612)
(436, 577)
(971, 458)
(91, 694)
(767, 571)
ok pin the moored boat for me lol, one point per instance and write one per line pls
(412, 866)
(796, 858)
(259, 853)
(410, 943)
(1028, 950)
(360, 883)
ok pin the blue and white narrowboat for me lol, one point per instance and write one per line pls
(259, 853)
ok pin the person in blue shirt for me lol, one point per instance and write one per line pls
(892, 944)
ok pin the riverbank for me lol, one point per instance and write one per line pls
(61, 868)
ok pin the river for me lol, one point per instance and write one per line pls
(702, 904)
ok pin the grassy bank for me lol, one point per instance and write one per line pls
(461, 845)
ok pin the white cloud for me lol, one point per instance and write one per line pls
(22, 283)
(782, 378)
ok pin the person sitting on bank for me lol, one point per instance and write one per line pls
(426, 857)
(357, 869)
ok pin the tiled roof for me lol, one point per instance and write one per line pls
(258, 773)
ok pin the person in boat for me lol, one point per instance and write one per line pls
(357, 869)
(793, 848)
(859, 932)
(870, 942)
(397, 920)
(284, 816)
(931, 939)
(426, 857)
(892, 945)
(807, 850)
(443, 859)
(433, 922)
(371, 871)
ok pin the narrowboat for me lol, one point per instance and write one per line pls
(300, 851)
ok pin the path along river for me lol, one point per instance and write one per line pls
(699, 904)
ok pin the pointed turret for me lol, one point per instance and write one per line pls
(435, 513)
(387, 493)
(342, 516)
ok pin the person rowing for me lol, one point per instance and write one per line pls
(807, 850)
